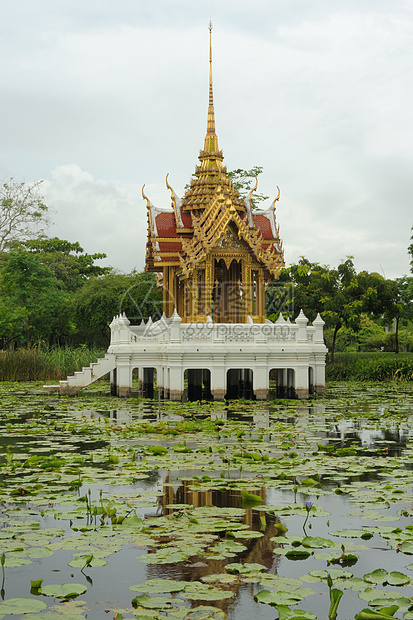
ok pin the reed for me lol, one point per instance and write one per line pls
(39, 365)
(370, 367)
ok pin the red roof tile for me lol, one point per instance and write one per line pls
(166, 225)
(263, 223)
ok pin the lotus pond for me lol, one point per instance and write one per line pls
(128, 508)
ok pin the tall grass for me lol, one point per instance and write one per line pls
(370, 367)
(37, 365)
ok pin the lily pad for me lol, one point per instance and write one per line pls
(285, 613)
(15, 606)
(152, 602)
(278, 598)
(159, 586)
(316, 542)
(297, 554)
(246, 568)
(202, 592)
(66, 590)
(377, 576)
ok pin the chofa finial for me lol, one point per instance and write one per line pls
(148, 202)
(277, 198)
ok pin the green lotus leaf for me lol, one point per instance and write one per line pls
(219, 578)
(13, 561)
(309, 482)
(204, 612)
(66, 590)
(80, 562)
(285, 613)
(203, 592)
(377, 576)
(396, 578)
(316, 542)
(297, 554)
(278, 598)
(245, 569)
(152, 602)
(250, 498)
(406, 547)
(335, 573)
(352, 533)
(372, 614)
(287, 584)
(381, 598)
(245, 534)
(15, 606)
(159, 586)
(354, 583)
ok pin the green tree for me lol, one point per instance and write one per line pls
(68, 261)
(243, 180)
(400, 307)
(40, 277)
(340, 295)
(100, 299)
(23, 212)
(13, 319)
(32, 286)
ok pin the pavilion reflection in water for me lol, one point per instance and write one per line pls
(257, 550)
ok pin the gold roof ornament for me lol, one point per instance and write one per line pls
(176, 204)
(211, 172)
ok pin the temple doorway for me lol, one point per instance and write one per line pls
(198, 381)
(282, 383)
(240, 384)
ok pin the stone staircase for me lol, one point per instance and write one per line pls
(84, 377)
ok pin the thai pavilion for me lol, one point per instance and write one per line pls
(214, 256)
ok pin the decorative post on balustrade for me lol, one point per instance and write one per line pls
(124, 332)
(318, 323)
(301, 371)
(175, 327)
(320, 351)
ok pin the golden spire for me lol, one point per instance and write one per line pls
(211, 113)
(211, 173)
(211, 140)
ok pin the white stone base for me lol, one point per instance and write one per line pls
(220, 359)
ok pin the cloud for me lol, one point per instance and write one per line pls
(102, 216)
(317, 93)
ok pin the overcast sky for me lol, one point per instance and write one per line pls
(99, 97)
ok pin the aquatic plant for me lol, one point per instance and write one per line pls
(307, 506)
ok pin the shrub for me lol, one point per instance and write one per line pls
(35, 364)
(370, 367)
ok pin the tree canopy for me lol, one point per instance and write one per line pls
(23, 212)
(341, 295)
(242, 181)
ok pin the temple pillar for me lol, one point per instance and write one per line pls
(301, 380)
(165, 289)
(176, 377)
(123, 376)
(140, 378)
(194, 297)
(113, 386)
(261, 378)
(208, 285)
(218, 380)
(320, 375)
(261, 296)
